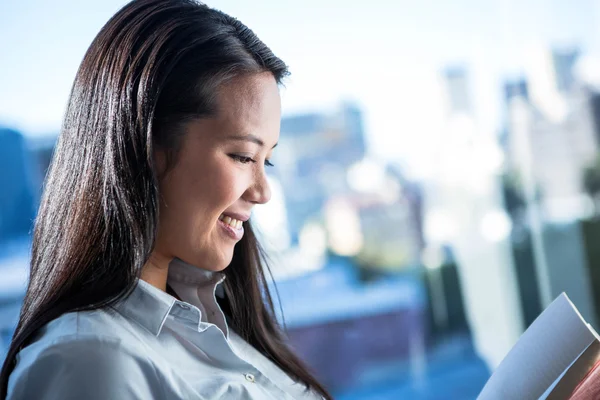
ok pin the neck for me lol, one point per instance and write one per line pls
(156, 271)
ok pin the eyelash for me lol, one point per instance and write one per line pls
(246, 160)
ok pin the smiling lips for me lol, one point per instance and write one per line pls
(234, 223)
(232, 227)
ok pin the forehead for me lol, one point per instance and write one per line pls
(251, 104)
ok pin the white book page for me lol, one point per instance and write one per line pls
(549, 346)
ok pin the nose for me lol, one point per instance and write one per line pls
(260, 191)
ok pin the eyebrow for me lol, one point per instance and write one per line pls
(250, 138)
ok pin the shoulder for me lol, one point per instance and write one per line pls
(83, 366)
(102, 322)
(74, 358)
(104, 325)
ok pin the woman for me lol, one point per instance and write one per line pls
(146, 277)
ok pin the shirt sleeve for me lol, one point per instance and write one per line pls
(91, 369)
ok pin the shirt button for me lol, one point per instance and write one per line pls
(249, 377)
(184, 306)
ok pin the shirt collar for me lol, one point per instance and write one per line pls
(150, 306)
(180, 271)
(147, 305)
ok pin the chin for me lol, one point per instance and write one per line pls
(221, 269)
(220, 265)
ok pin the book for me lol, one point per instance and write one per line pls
(556, 358)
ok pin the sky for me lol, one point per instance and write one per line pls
(385, 55)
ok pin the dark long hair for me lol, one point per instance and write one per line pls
(154, 66)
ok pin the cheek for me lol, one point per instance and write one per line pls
(201, 189)
(224, 188)
(220, 186)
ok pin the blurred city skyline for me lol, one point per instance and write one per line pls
(402, 47)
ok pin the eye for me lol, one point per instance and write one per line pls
(246, 160)
(242, 159)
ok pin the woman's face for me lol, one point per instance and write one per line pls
(219, 171)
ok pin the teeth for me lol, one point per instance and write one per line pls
(234, 223)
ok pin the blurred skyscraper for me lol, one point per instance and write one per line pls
(314, 154)
(551, 138)
(517, 88)
(458, 90)
(17, 199)
(463, 209)
(595, 108)
(558, 119)
(563, 64)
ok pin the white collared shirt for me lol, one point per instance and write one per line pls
(150, 346)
